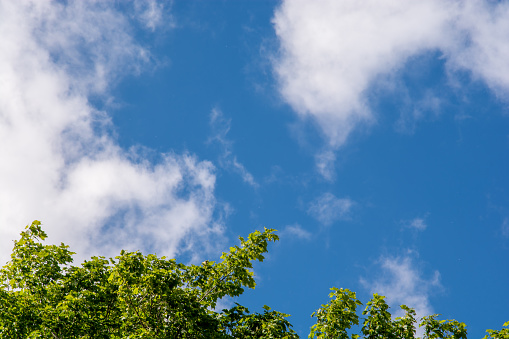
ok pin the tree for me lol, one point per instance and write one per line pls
(335, 318)
(502, 334)
(132, 296)
(42, 295)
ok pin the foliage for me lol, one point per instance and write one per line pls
(336, 317)
(132, 296)
(502, 334)
(42, 295)
(447, 329)
(339, 315)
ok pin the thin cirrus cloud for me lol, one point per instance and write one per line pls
(328, 209)
(152, 14)
(220, 127)
(417, 224)
(332, 52)
(505, 227)
(59, 163)
(402, 283)
(296, 231)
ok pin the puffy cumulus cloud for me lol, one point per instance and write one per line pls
(59, 163)
(481, 46)
(332, 52)
(327, 208)
(402, 283)
(88, 41)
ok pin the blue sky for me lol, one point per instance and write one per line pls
(373, 135)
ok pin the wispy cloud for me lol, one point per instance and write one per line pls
(429, 107)
(153, 14)
(401, 281)
(505, 227)
(59, 161)
(327, 208)
(331, 53)
(296, 231)
(220, 127)
(325, 164)
(417, 223)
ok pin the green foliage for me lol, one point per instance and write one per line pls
(339, 315)
(336, 317)
(136, 296)
(502, 334)
(404, 327)
(132, 296)
(378, 324)
(446, 329)
(271, 324)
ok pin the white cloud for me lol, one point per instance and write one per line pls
(482, 42)
(327, 208)
(220, 127)
(152, 13)
(295, 231)
(403, 284)
(418, 224)
(332, 52)
(59, 163)
(428, 107)
(505, 227)
(325, 164)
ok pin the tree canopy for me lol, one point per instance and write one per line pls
(42, 295)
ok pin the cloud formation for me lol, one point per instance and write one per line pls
(328, 209)
(60, 163)
(220, 127)
(417, 224)
(505, 227)
(296, 231)
(152, 14)
(403, 284)
(331, 53)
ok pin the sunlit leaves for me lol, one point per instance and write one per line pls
(502, 334)
(140, 296)
(336, 317)
(131, 296)
(270, 324)
(446, 329)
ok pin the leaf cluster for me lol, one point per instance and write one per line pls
(336, 318)
(43, 295)
(501, 334)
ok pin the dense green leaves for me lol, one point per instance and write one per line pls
(339, 315)
(378, 324)
(132, 296)
(270, 324)
(447, 329)
(42, 295)
(502, 334)
(336, 317)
